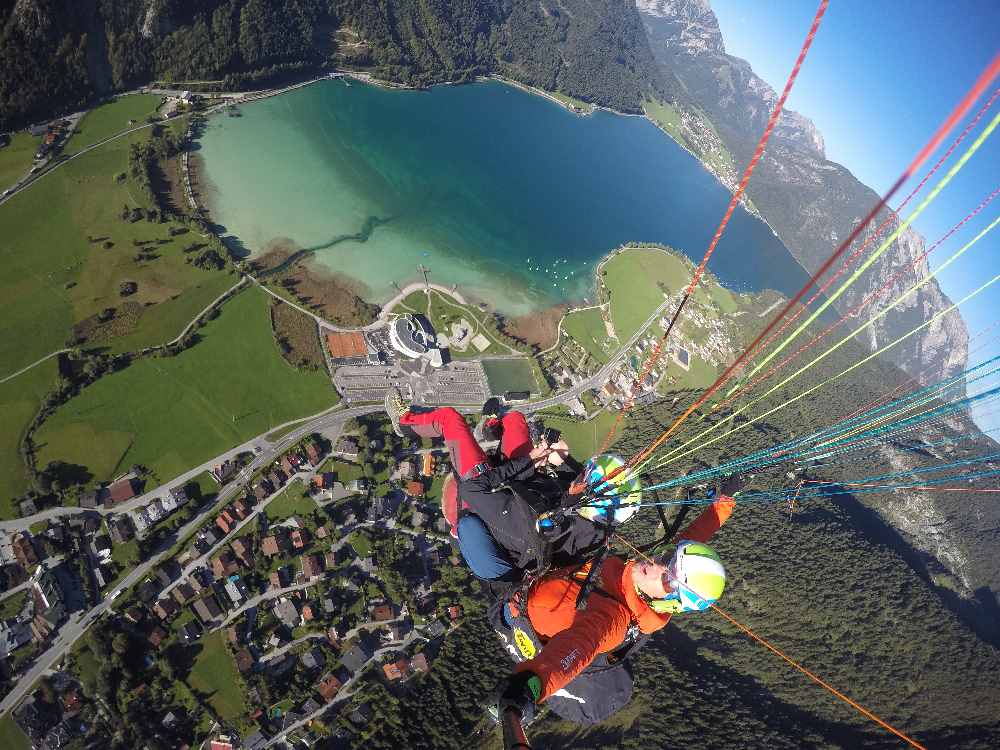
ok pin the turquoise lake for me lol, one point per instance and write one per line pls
(502, 192)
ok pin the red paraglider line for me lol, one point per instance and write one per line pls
(860, 306)
(877, 233)
(982, 83)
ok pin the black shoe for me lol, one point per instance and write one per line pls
(492, 408)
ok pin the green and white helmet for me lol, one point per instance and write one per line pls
(694, 577)
(616, 499)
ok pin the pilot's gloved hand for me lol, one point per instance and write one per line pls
(519, 692)
(731, 485)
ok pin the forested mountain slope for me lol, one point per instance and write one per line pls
(811, 202)
(60, 54)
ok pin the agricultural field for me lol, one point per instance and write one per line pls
(172, 413)
(633, 278)
(214, 674)
(511, 375)
(666, 116)
(584, 438)
(67, 250)
(587, 328)
(20, 400)
(16, 158)
(111, 118)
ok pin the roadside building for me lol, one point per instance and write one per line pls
(89, 499)
(381, 612)
(120, 491)
(224, 471)
(328, 687)
(407, 470)
(269, 546)
(313, 659)
(427, 469)
(183, 593)
(299, 538)
(226, 520)
(348, 447)
(313, 453)
(156, 636)
(244, 661)
(13, 635)
(165, 609)
(243, 552)
(234, 592)
(224, 565)
(356, 658)
(312, 566)
(418, 663)
(24, 549)
(285, 611)
(395, 670)
(207, 609)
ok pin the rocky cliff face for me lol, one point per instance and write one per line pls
(811, 202)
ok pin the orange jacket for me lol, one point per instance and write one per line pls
(574, 639)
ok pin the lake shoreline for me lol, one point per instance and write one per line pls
(523, 292)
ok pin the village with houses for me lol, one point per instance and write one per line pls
(330, 564)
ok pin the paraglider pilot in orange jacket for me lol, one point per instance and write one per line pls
(643, 593)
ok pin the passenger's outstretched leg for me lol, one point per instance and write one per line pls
(446, 424)
(515, 442)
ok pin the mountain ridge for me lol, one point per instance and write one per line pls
(810, 202)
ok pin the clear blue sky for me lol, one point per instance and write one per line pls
(880, 78)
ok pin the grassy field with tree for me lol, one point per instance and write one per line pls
(16, 158)
(11, 736)
(20, 400)
(214, 674)
(587, 328)
(111, 118)
(633, 277)
(290, 503)
(666, 116)
(67, 250)
(172, 413)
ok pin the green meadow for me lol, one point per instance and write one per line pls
(214, 674)
(638, 277)
(66, 250)
(111, 118)
(11, 736)
(587, 328)
(172, 413)
(20, 400)
(16, 158)
(584, 438)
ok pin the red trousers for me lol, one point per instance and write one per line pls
(466, 453)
